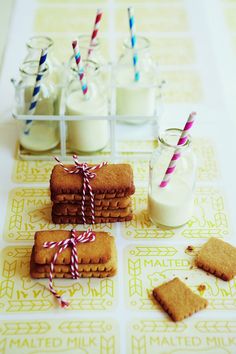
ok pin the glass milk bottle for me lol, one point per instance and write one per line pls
(86, 135)
(36, 135)
(56, 73)
(171, 206)
(136, 98)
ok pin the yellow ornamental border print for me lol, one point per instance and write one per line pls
(50, 336)
(162, 336)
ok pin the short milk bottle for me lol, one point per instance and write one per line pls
(171, 206)
(87, 135)
(136, 98)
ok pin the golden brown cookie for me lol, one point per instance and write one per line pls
(92, 274)
(98, 219)
(218, 257)
(75, 210)
(178, 300)
(113, 179)
(98, 251)
(109, 266)
(75, 198)
(114, 203)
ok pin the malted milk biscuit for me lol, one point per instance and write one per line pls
(178, 300)
(218, 257)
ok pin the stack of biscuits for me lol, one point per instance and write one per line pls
(96, 259)
(112, 188)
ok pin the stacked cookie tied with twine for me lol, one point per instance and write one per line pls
(96, 254)
(83, 193)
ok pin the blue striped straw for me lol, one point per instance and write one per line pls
(133, 43)
(35, 95)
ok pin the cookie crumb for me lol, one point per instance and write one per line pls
(201, 288)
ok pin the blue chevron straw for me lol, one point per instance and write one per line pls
(133, 43)
(35, 95)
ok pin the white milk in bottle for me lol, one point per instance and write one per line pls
(171, 206)
(136, 98)
(87, 135)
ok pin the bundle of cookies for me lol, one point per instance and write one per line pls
(96, 259)
(112, 187)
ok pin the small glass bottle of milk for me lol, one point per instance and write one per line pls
(42, 135)
(136, 98)
(86, 135)
(57, 73)
(171, 206)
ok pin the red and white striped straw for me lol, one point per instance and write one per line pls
(80, 66)
(177, 154)
(95, 32)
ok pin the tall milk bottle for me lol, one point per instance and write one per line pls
(87, 135)
(171, 206)
(56, 71)
(136, 98)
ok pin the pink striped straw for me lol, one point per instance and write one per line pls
(80, 66)
(177, 154)
(95, 32)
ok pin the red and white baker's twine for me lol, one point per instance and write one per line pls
(87, 173)
(87, 236)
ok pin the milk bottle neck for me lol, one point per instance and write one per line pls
(36, 44)
(169, 140)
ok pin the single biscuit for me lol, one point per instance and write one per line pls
(109, 266)
(218, 257)
(110, 179)
(98, 251)
(178, 300)
(75, 210)
(78, 219)
(99, 204)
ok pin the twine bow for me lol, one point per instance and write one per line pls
(87, 236)
(87, 173)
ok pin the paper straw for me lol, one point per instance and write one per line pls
(35, 95)
(133, 43)
(80, 66)
(177, 154)
(95, 32)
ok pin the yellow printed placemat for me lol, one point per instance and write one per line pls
(149, 266)
(189, 337)
(209, 218)
(208, 170)
(19, 293)
(61, 336)
(170, 19)
(65, 19)
(191, 87)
